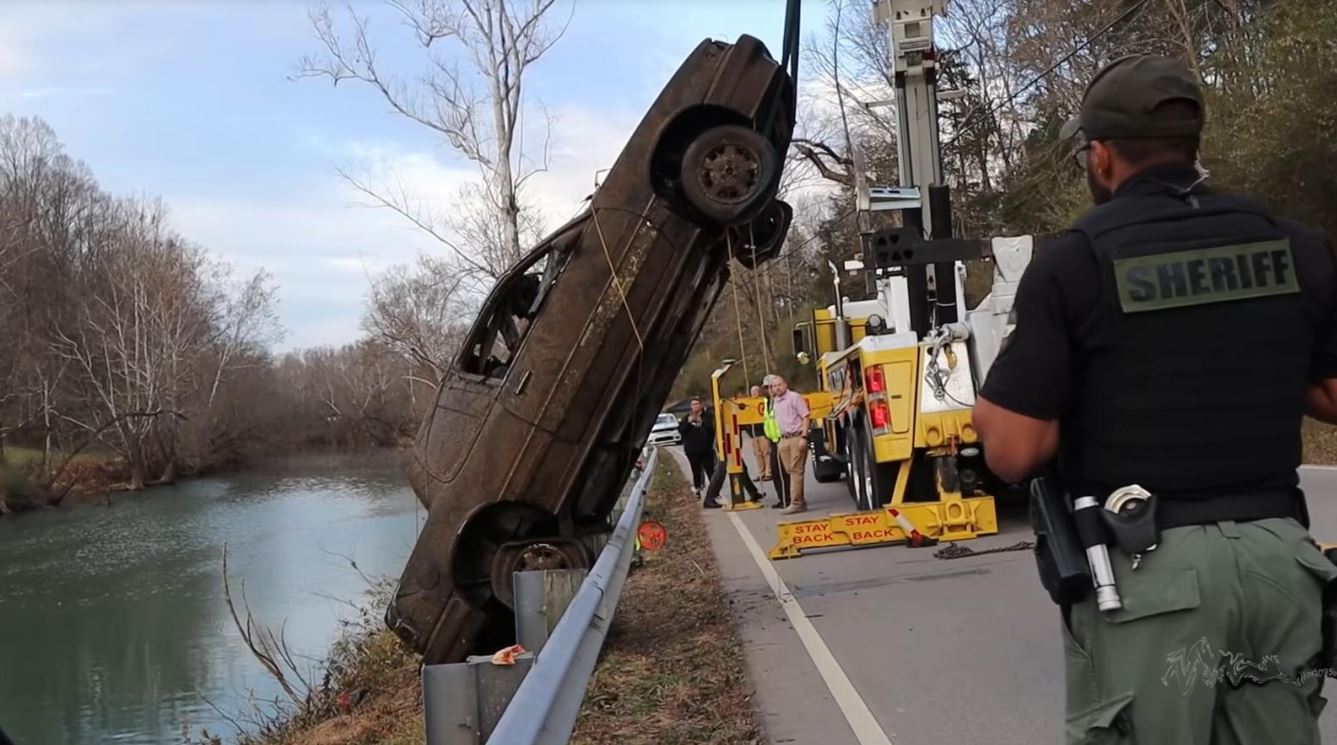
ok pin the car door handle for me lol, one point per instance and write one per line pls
(524, 381)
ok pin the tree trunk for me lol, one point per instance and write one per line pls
(135, 455)
(169, 473)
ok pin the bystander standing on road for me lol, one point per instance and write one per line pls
(698, 444)
(793, 419)
(761, 446)
(771, 429)
(717, 480)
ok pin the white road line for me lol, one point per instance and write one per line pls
(866, 729)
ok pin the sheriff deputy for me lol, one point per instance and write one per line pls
(1173, 339)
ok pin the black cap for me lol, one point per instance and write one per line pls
(1119, 101)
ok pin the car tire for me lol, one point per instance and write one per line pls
(729, 174)
(760, 240)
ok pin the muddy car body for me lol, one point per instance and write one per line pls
(539, 419)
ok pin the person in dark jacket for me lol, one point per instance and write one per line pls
(698, 443)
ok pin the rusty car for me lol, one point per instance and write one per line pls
(540, 418)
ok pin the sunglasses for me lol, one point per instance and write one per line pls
(1080, 155)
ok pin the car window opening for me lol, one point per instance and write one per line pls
(512, 312)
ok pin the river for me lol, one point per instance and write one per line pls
(113, 624)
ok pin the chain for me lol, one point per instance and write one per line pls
(953, 551)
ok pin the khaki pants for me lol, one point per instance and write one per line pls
(762, 447)
(1216, 642)
(793, 458)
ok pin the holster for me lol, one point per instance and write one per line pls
(1064, 570)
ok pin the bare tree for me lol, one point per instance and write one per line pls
(416, 313)
(477, 107)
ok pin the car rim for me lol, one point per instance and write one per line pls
(540, 557)
(729, 173)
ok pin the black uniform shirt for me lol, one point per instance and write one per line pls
(1039, 370)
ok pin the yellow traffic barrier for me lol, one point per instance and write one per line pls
(948, 520)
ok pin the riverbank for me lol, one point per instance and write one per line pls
(88, 478)
(672, 669)
(93, 478)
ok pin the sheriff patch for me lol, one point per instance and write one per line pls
(1206, 275)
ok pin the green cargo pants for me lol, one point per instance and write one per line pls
(1217, 642)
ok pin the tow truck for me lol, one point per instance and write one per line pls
(902, 370)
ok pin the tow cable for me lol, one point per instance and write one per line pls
(954, 551)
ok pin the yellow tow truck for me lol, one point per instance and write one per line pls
(902, 370)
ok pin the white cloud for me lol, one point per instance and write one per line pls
(324, 245)
(320, 249)
(584, 143)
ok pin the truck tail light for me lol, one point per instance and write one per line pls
(881, 415)
(876, 383)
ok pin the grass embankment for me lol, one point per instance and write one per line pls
(672, 670)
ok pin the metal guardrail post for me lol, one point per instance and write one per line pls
(565, 619)
(469, 698)
(541, 598)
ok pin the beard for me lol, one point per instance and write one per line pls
(1099, 193)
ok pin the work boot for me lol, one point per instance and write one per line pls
(794, 508)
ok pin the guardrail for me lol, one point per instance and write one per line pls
(544, 707)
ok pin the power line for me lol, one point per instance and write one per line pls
(994, 109)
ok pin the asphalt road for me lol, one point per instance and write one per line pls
(956, 652)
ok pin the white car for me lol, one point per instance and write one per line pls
(665, 431)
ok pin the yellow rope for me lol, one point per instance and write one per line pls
(616, 282)
(737, 314)
(756, 283)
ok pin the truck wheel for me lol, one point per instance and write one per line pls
(729, 174)
(880, 478)
(853, 480)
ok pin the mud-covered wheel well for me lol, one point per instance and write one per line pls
(482, 537)
(666, 158)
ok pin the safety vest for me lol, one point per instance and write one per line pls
(1195, 359)
(771, 425)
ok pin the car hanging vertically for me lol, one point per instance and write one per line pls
(539, 418)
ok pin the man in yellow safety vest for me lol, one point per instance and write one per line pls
(772, 430)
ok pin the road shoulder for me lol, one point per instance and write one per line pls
(791, 701)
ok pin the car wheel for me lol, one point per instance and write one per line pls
(729, 174)
(532, 556)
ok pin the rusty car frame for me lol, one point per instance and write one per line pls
(539, 419)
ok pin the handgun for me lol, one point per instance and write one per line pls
(1064, 569)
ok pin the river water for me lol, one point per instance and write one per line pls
(113, 625)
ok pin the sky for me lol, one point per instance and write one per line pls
(198, 103)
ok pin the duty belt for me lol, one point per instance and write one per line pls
(1245, 507)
